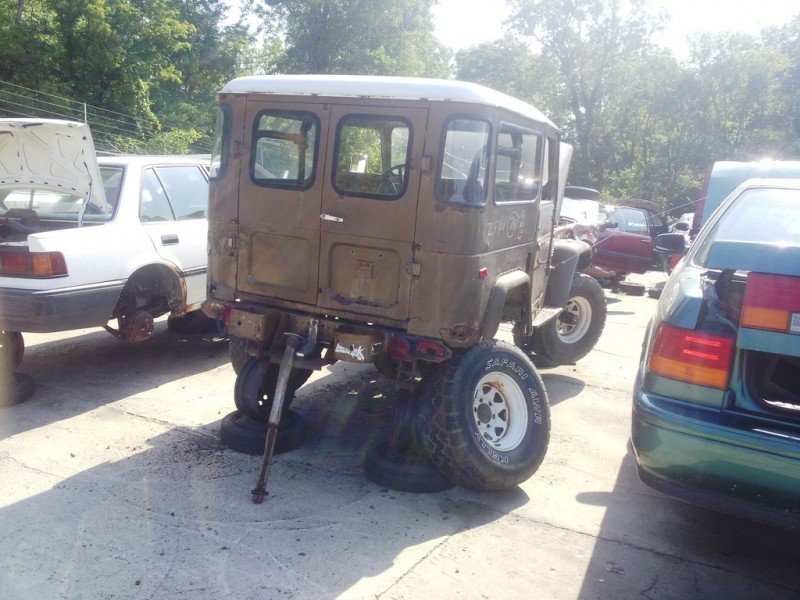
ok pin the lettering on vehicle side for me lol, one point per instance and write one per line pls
(356, 352)
(512, 225)
(509, 364)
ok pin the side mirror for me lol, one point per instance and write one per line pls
(609, 225)
(682, 226)
(672, 243)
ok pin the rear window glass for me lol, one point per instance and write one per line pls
(284, 149)
(757, 215)
(372, 156)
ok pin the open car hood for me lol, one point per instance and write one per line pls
(50, 154)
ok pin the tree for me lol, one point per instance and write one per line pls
(590, 42)
(369, 37)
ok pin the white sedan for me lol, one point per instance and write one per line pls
(87, 241)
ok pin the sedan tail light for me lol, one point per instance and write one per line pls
(32, 264)
(771, 302)
(692, 356)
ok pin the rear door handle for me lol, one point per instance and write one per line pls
(169, 239)
(333, 218)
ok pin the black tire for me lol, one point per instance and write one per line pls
(632, 289)
(12, 347)
(237, 350)
(486, 420)
(572, 335)
(194, 322)
(403, 471)
(255, 387)
(15, 387)
(243, 434)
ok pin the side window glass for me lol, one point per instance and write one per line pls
(153, 203)
(463, 161)
(222, 138)
(550, 170)
(186, 188)
(631, 220)
(518, 168)
(372, 157)
(284, 149)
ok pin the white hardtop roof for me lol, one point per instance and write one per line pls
(400, 88)
(50, 154)
(155, 159)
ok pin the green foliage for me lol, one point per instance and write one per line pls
(643, 124)
(366, 37)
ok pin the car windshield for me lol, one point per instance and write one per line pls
(757, 215)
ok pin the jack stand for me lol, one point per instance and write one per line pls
(275, 415)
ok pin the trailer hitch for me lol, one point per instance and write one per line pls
(293, 348)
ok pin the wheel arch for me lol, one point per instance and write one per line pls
(149, 283)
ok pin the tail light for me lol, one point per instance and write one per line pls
(692, 356)
(32, 264)
(771, 302)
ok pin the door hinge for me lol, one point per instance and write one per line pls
(232, 244)
(414, 269)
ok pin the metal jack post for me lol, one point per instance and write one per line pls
(287, 362)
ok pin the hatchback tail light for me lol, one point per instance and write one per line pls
(32, 264)
(771, 302)
(692, 356)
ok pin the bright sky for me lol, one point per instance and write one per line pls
(464, 23)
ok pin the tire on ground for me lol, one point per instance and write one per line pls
(402, 471)
(631, 288)
(12, 347)
(572, 335)
(15, 387)
(243, 434)
(485, 419)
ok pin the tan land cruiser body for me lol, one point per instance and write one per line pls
(398, 221)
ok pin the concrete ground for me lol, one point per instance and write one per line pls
(115, 485)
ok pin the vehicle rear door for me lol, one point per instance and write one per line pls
(280, 192)
(369, 209)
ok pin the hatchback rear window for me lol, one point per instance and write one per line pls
(757, 215)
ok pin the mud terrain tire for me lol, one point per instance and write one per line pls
(485, 418)
(572, 335)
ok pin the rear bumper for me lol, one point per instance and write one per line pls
(45, 311)
(696, 455)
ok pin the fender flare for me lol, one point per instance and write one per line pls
(569, 256)
(497, 300)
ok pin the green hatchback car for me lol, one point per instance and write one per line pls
(716, 405)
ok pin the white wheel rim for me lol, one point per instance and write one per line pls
(500, 411)
(581, 310)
